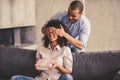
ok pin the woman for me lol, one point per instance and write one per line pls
(55, 50)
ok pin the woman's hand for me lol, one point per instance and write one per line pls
(53, 65)
(60, 68)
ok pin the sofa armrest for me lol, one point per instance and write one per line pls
(117, 76)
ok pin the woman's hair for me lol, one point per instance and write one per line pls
(61, 40)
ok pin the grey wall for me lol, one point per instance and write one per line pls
(104, 17)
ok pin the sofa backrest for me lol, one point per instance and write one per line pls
(14, 61)
(99, 65)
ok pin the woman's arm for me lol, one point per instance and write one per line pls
(60, 68)
(67, 62)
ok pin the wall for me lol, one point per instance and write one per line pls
(17, 13)
(104, 17)
(17, 21)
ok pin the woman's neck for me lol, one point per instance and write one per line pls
(53, 44)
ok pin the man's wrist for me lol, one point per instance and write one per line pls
(65, 34)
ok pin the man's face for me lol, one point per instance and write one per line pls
(73, 15)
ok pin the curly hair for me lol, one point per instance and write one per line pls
(61, 40)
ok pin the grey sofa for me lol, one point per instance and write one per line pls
(96, 65)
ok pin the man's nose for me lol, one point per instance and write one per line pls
(70, 17)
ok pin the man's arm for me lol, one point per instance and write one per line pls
(73, 41)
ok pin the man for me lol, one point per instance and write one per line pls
(77, 24)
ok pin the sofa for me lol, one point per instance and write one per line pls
(92, 65)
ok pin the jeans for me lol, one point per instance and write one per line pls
(66, 77)
(20, 77)
(73, 49)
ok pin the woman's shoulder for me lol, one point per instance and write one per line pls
(42, 48)
(66, 48)
(67, 52)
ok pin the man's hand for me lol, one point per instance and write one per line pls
(44, 29)
(60, 32)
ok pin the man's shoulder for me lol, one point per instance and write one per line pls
(84, 19)
(59, 15)
(62, 13)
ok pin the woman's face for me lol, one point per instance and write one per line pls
(51, 34)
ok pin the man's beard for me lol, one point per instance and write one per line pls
(73, 21)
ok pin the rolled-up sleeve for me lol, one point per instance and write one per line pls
(38, 55)
(84, 33)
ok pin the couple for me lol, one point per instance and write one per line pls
(55, 43)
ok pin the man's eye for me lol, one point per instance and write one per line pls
(73, 16)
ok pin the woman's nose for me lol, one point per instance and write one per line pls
(50, 33)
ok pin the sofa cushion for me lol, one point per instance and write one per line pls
(96, 65)
(117, 76)
(15, 61)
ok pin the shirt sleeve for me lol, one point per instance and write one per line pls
(68, 59)
(84, 33)
(38, 55)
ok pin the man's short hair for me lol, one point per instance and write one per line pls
(76, 5)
